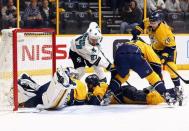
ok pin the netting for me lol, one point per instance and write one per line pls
(23, 51)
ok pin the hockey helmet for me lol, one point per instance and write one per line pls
(155, 16)
(92, 80)
(93, 25)
(95, 34)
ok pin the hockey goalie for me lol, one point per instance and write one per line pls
(52, 95)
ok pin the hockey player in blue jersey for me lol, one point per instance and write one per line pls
(129, 57)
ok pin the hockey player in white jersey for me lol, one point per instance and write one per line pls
(85, 51)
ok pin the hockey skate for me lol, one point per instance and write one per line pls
(176, 96)
(107, 98)
(169, 99)
(179, 95)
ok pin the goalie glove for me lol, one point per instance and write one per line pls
(64, 79)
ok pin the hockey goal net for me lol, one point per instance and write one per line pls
(30, 51)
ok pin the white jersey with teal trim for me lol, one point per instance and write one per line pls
(82, 47)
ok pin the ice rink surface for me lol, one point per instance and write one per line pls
(104, 118)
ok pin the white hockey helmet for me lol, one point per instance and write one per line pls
(95, 36)
(93, 25)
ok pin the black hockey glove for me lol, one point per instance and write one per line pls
(110, 66)
(135, 34)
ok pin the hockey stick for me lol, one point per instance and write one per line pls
(185, 81)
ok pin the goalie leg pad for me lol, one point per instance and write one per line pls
(55, 95)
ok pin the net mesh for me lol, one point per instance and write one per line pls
(34, 57)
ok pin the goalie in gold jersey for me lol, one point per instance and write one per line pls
(162, 41)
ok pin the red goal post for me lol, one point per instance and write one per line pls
(26, 36)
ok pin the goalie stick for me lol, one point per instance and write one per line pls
(185, 81)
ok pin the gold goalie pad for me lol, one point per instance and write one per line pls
(154, 98)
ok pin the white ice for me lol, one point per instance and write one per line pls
(106, 118)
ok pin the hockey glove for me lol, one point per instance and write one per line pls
(135, 36)
(97, 61)
(107, 98)
(164, 58)
(110, 67)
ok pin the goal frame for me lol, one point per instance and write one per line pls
(15, 54)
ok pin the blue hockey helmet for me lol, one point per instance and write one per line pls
(155, 16)
(92, 80)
